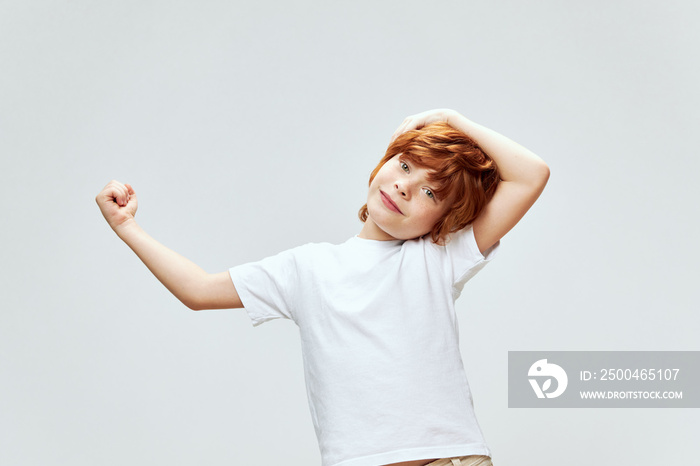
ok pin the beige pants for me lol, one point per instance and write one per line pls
(471, 460)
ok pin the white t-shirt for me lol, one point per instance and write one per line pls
(379, 336)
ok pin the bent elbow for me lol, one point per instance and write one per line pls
(544, 170)
(195, 296)
(193, 304)
(541, 175)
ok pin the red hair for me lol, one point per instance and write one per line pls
(459, 168)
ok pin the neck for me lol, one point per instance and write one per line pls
(370, 230)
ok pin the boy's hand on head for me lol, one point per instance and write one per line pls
(419, 120)
(118, 203)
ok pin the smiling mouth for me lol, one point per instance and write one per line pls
(391, 205)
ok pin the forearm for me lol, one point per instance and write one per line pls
(182, 277)
(515, 162)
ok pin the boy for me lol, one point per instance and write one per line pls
(384, 375)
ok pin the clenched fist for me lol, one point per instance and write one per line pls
(118, 203)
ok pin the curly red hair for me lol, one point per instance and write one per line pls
(458, 167)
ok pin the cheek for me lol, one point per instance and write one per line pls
(432, 214)
(378, 180)
(425, 218)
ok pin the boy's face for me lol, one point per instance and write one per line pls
(401, 202)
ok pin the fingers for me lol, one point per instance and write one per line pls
(408, 124)
(120, 193)
(117, 192)
(416, 121)
(420, 120)
(118, 203)
(400, 130)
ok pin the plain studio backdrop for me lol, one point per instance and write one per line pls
(250, 128)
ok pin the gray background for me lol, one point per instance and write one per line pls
(247, 129)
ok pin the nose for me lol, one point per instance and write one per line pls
(403, 188)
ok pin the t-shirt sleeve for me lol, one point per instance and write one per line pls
(465, 259)
(267, 288)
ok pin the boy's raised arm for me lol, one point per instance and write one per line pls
(523, 174)
(194, 287)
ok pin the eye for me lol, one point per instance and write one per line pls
(429, 193)
(404, 165)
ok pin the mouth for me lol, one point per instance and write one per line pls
(391, 205)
